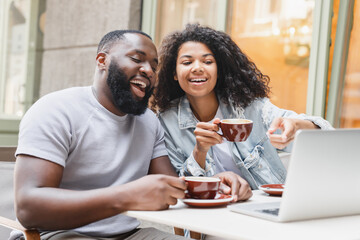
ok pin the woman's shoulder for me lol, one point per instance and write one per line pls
(259, 103)
(170, 112)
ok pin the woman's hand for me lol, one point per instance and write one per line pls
(288, 126)
(235, 185)
(206, 136)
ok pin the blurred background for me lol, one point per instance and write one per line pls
(307, 47)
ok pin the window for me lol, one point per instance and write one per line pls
(20, 62)
(171, 15)
(14, 58)
(283, 29)
(350, 106)
(343, 105)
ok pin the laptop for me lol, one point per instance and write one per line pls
(323, 179)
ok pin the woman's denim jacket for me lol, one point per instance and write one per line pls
(256, 158)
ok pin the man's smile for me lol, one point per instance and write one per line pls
(139, 86)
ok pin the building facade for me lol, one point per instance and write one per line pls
(307, 47)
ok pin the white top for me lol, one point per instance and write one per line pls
(96, 147)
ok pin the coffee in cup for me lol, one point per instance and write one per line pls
(202, 187)
(236, 130)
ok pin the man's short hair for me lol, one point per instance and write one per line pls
(110, 38)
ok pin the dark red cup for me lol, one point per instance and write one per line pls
(236, 130)
(202, 187)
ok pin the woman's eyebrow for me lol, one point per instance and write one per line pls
(204, 55)
(185, 56)
(208, 54)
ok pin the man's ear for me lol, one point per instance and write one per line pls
(101, 60)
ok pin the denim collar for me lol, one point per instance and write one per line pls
(187, 119)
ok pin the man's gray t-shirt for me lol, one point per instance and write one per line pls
(96, 147)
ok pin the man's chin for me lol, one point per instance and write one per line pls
(137, 112)
(133, 108)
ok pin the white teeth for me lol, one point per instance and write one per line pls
(198, 80)
(139, 83)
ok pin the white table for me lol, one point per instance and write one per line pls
(222, 222)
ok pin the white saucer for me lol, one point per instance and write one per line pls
(273, 189)
(218, 201)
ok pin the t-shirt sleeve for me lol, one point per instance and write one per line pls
(159, 146)
(45, 131)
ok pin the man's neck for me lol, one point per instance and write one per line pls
(104, 97)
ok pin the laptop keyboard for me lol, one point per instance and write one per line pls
(271, 211)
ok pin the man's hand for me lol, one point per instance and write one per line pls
(235, 185)
(155, 192)
(288, 126)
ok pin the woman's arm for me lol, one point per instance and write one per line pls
(288, 127)
(282, 124)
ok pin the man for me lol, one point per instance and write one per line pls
(84, 154)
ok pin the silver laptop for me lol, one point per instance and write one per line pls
(323, 179)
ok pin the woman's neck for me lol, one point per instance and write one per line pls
(204, 108)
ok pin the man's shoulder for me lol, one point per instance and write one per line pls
(148, 115)
(61, 104)
(149, 121)
(67, 94)
(64, 98)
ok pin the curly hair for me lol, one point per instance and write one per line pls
(239, 80)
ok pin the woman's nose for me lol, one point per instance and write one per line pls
(197, 67)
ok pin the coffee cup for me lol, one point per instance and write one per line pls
(202, 187)
(236, 130)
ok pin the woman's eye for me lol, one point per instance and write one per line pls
(208, 62)
(186, 63)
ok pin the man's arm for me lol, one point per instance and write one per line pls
(162, 165)
(41, 204)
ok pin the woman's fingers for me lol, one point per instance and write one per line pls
(288, 127)
(206, 134)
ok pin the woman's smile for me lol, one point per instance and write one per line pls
(198, 81)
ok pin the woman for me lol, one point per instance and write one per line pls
(204, 77)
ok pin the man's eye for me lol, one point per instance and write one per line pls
(135, 59)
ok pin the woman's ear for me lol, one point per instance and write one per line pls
(101, 60)
(175, 77)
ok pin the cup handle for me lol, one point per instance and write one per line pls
(219, 124)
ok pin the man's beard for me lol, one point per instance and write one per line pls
(123, 98)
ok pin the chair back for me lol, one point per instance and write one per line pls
(7, 163)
